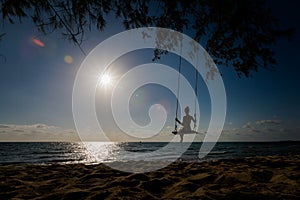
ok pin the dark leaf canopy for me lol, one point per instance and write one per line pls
(237, 33)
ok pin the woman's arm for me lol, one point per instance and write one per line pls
(194, 118)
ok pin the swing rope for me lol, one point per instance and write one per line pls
(178, 88)
(196, 96)
(178, 92)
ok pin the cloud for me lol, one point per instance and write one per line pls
(169, 127)
(268, 121)
(262, 130)
(270, 129)
(247, 125)
(36, 132)
(267, 125)
(18, 130)
(255, 130)
(284, 130)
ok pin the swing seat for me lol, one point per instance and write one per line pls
(185, 132)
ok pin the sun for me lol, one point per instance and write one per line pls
(105, 80)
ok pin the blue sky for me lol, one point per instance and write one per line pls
(36, 88)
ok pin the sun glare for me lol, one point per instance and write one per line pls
(105, 80)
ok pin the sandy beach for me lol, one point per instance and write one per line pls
(271, 177)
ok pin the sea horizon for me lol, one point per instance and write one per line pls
(261, 141)
(107, 152)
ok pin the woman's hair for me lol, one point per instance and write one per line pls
(187, 109)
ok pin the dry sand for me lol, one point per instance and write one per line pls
(272, 177)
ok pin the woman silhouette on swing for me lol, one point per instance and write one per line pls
(186, 123)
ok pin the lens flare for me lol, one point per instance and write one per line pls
(68, 59)
(38, 42)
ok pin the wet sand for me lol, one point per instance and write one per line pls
(271, 177)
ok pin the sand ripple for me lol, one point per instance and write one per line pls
(272, 177)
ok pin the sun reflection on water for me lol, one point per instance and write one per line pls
(101, 152)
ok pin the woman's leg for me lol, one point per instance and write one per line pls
(181, 137)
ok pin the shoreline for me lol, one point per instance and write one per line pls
(263, 177)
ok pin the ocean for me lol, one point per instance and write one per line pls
(68, 153)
